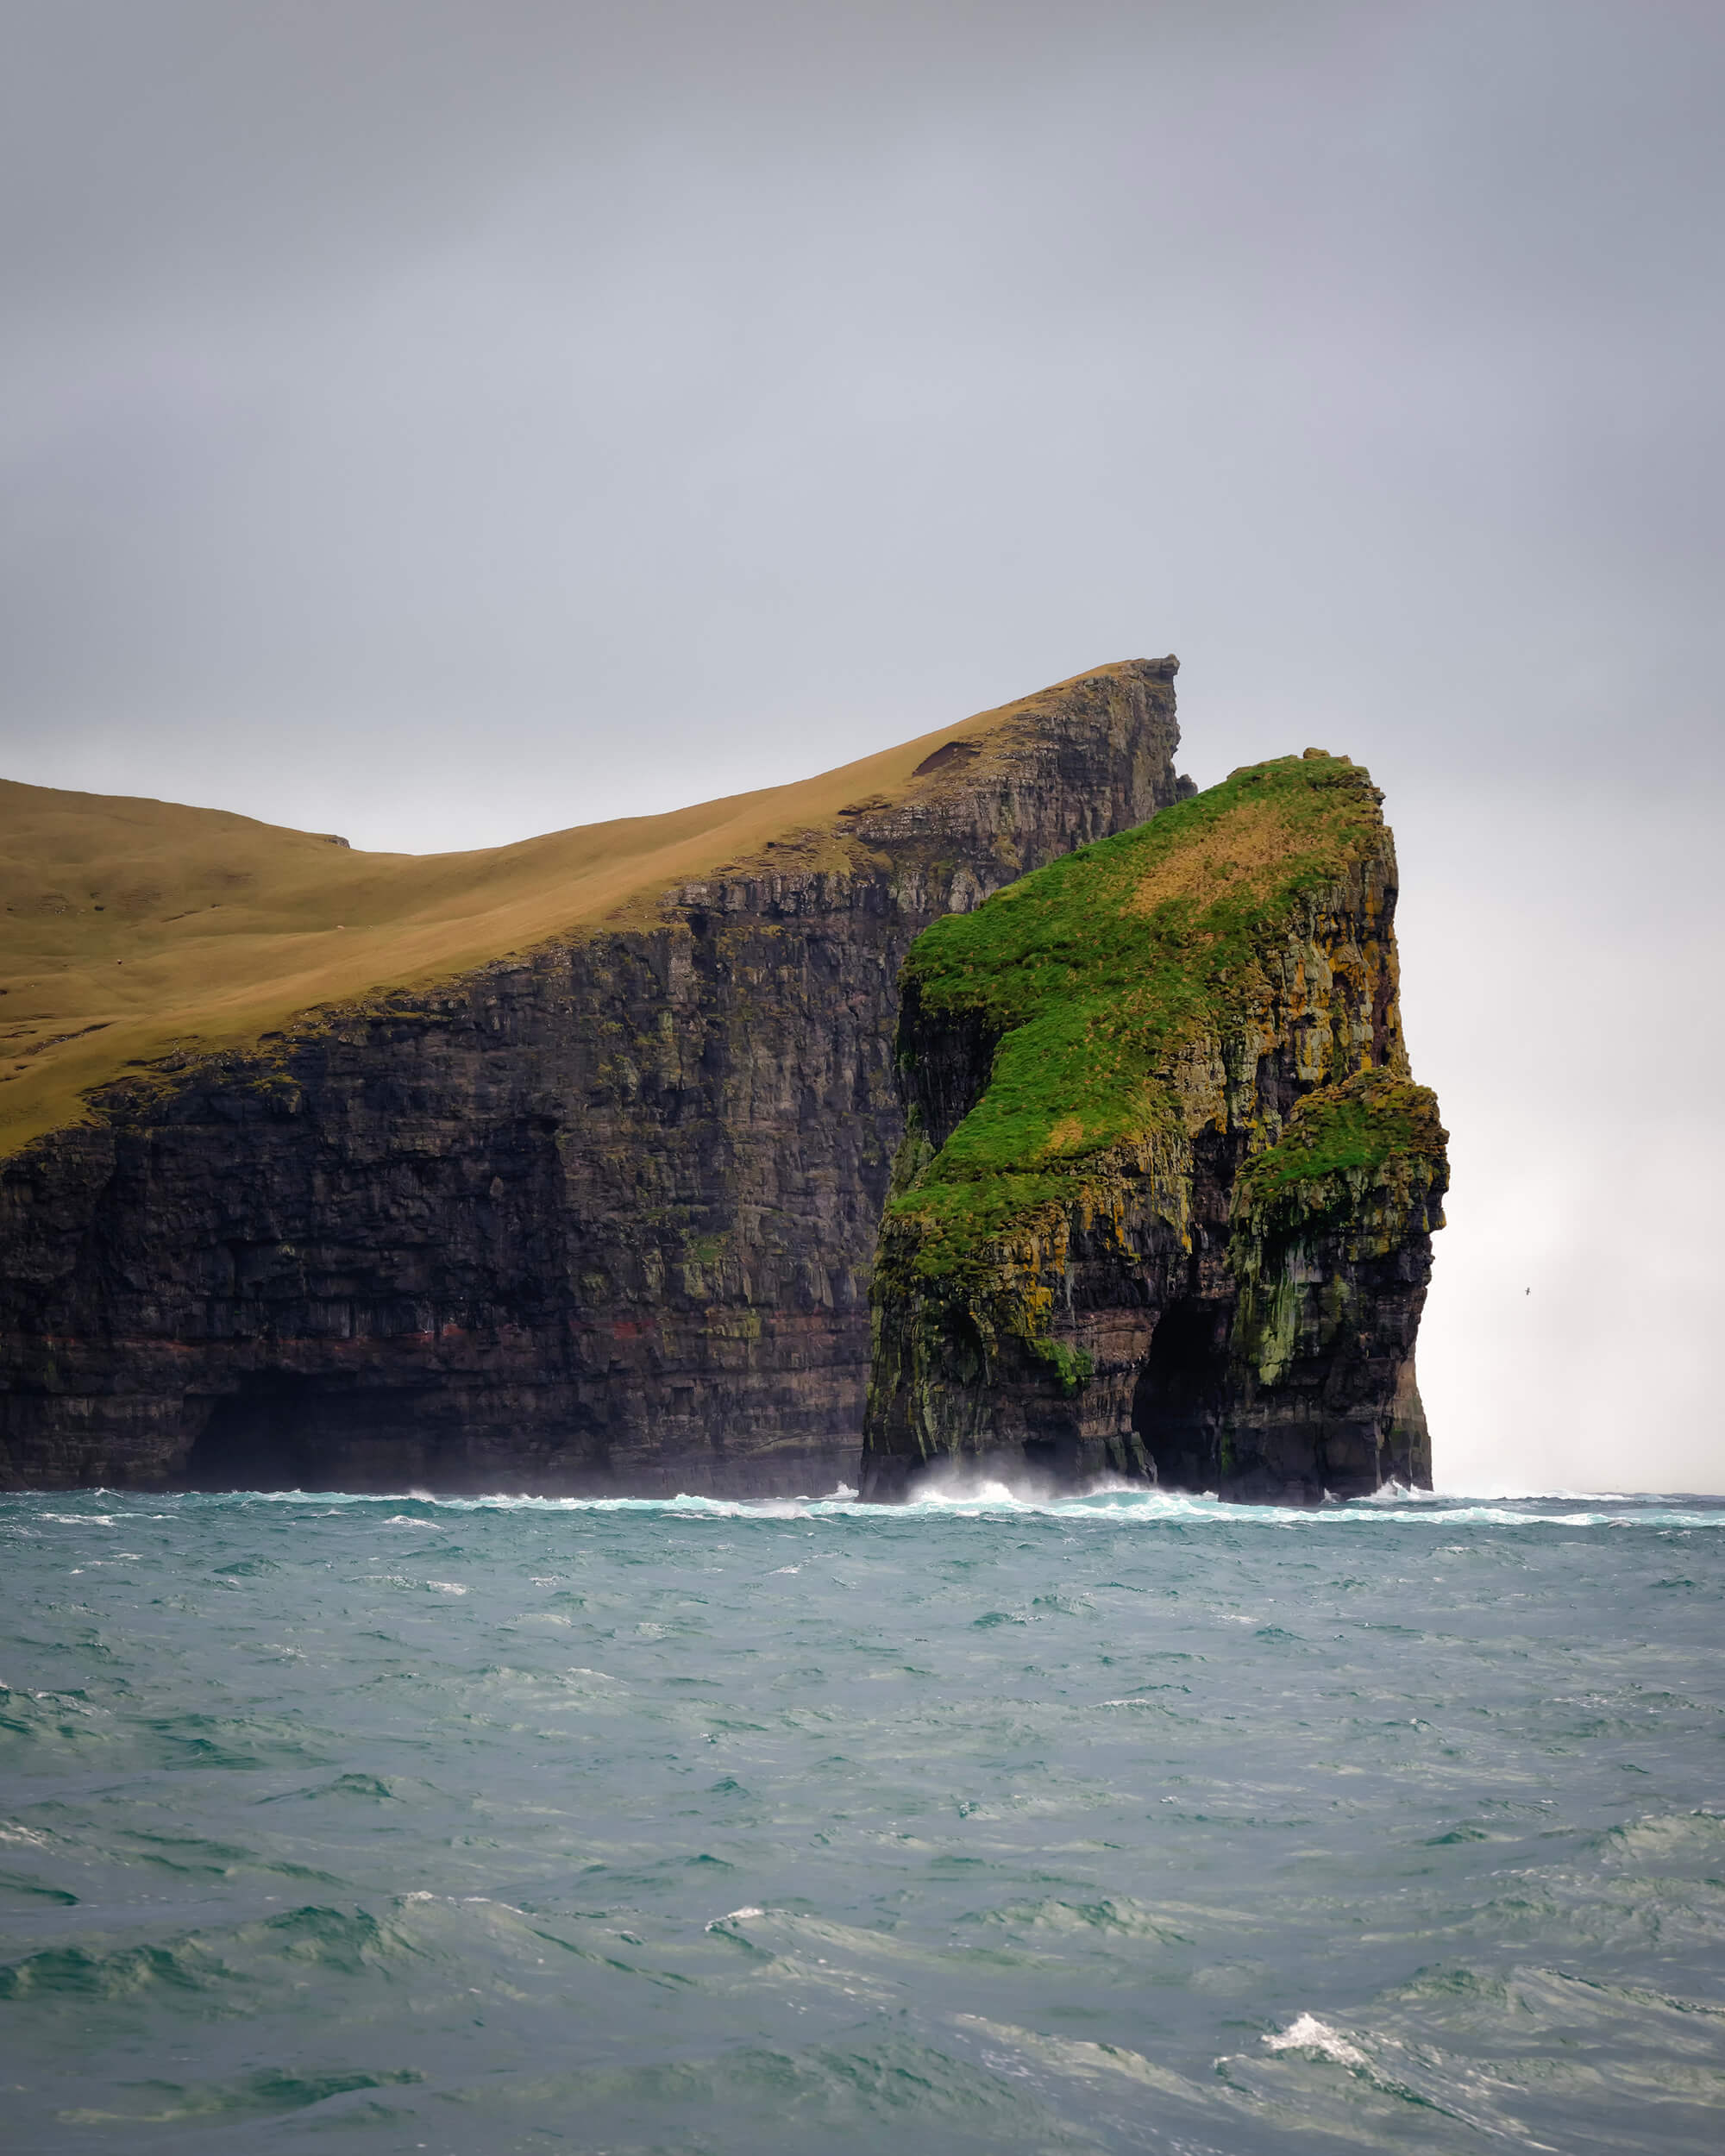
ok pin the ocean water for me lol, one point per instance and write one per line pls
(1127, 1823)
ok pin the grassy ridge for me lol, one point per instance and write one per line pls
(1098, 971)
(131, 930)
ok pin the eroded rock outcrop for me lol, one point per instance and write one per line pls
(1165, 1202)
(596, 1217)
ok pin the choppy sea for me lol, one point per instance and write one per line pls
(1121, 1823)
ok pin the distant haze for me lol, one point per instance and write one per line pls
(438, 421)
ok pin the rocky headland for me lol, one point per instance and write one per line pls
(558, 1167)
(1164, 1205)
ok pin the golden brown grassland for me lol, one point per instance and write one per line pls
(131, 930)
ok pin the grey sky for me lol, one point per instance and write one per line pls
(438, 421)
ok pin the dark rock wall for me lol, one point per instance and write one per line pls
(600, 1218)
(1328, 1281)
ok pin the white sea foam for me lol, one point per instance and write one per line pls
(1307, 2033)
(1118, 1502)
(734, 1917)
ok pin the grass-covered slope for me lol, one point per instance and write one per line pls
(131, 930)
(1102, 974)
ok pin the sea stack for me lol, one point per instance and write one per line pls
(1164, 1205)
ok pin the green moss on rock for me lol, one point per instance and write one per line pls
(1341, 1136)
(1360, 1163)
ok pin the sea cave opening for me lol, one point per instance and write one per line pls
(1177, 1400)
(258, 1437)
(278, 1430)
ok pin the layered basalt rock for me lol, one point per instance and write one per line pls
(1165, 1203)
(598, 1217)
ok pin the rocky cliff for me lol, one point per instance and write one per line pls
(1166, 1202)
(595, 1214)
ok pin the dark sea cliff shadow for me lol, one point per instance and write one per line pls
(280, 1431)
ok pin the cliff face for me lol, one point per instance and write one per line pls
(1165, 1202)
(599, 1217)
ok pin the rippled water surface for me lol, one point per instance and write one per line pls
(1121, 1824)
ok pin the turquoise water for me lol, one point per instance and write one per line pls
(1129, 1823)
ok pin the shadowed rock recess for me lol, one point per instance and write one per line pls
(596, 1213)
(1166, 1202)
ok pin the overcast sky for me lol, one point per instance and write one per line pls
(443, 420)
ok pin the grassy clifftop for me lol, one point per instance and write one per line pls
(1099, 975)
(134, 929)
